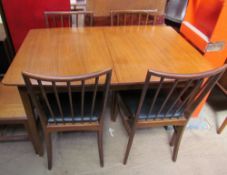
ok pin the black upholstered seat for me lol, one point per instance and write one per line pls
(131, 101)
(76, 97)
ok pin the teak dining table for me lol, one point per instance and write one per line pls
(129, 50)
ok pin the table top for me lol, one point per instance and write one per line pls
(129, 50)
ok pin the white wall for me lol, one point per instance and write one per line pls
(72, 1)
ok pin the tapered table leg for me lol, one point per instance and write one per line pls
(114, 106)
(35, 137)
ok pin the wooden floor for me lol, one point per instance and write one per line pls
(202, 151)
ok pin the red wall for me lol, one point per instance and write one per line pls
(23, 15)
(207, 15)
(203, 14)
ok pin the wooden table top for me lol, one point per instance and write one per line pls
(130, 51)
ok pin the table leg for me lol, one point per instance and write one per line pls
(114, 106)
(35, 137)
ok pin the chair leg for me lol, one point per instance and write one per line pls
(180, 131)
(173, 139)
(222, 126)
(114, 107)
(130, 140)
(26, 126)
(49, 148)
(100, 146)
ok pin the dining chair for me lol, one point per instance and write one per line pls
(133, 17)
(12, 113)
(65, 18)
(220, 129)
(70, 103)
(165, 100)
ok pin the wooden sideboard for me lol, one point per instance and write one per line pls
(102, 8)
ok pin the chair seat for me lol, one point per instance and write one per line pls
(76, 101)
(131, 101)
(11, 107)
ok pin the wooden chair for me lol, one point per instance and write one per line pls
(74, 103)
(220, 129)
(133, 17)
(170, 103)
(64, 18)
(12, 113)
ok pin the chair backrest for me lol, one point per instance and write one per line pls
(62, 99)
(68, 18)
(133, 17)
(180, 93)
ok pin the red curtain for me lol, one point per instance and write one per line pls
(23, 15)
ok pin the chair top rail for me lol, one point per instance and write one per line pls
(187, 76)
(67, 78)
(134, 11)
(67, 12)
